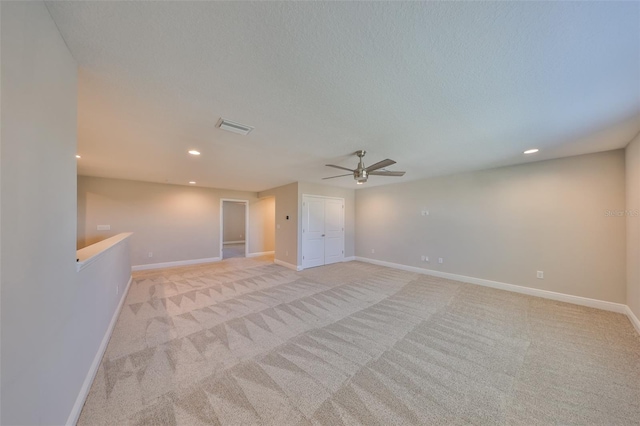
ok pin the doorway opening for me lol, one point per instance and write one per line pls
(234, 226)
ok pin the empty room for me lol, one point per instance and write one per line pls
(324, 213)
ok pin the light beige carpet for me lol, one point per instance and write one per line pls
(232, 250)
(244, 341)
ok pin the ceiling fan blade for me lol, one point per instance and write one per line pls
(331, 177)
(380, 164)
(339, 167)
(386, 173)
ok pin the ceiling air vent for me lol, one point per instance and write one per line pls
(234, 127)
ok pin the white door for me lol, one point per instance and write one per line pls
(322, 231)
(333, 230)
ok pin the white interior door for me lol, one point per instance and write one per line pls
(333, 230)
(322, 231)
(312, 232)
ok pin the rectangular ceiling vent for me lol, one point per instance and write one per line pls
(234, 127)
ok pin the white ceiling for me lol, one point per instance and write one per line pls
(440, 87)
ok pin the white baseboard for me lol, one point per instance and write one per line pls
(561, 297)
(634, 319)
(88, 381)
(349, 259)
(233, 242)
(287, 265)
(260, 253)
(173, 264)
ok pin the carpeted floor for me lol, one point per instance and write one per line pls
(244, 341)
(232, 250)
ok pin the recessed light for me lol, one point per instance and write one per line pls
(531, 151)
(194, 152)
(77, 156)
(192, 182)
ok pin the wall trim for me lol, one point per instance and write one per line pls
(287, 265)
(633, 318)
(349, 259)
(173, 264)
(260, 253)
(546, 294)
(233, 242)
(93, 370)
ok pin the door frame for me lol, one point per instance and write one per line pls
(301, 223)
(246, 224)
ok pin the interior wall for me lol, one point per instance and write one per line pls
(286, 221)
(506, 224)
(265, 219)
(172, 222)
(308, 188)
(44, 358)
(233, 221)
(633, 225)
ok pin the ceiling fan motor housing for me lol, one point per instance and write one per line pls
(360, 175)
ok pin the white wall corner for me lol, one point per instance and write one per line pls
(633, 318)
(287, 265)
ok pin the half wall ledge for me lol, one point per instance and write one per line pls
(87, 255)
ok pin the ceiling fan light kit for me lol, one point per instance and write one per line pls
(362, 173)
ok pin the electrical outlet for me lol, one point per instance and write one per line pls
(425, 212)
(104, 227)
(440, 260)
(373, 251)
(425, 258)
(540, 275)
(150, 254)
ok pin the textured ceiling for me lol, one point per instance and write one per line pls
(440, 87)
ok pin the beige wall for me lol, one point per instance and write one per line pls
(288, 200)
(264, 217)
(308, 188)
(173, 222)
(45, 322)
(233, 221)
(505, 224)
(633, 225)
(286, 232)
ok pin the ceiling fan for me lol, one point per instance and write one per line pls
(361, 173)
